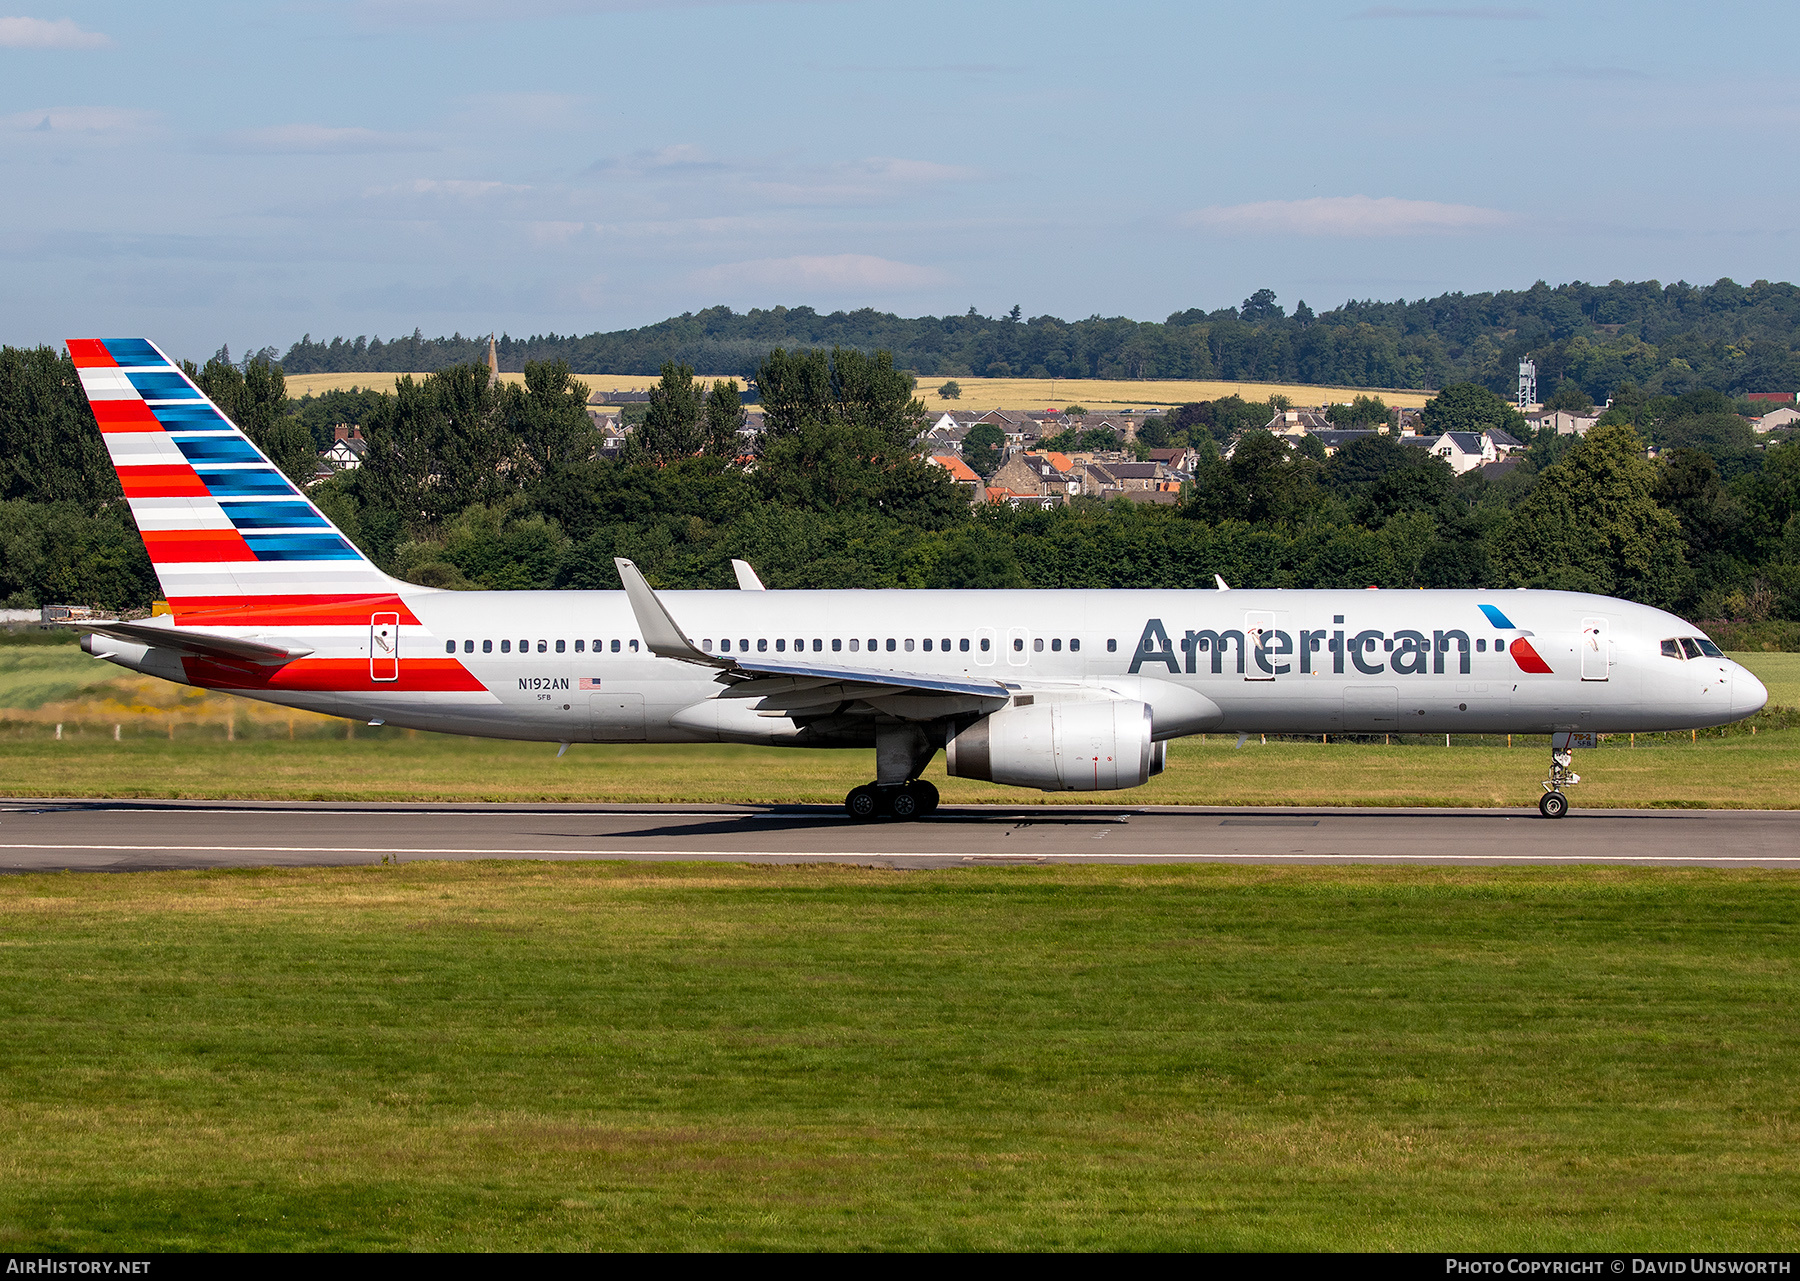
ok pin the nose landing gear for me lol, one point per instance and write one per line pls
(1553, 804)
(909, 800)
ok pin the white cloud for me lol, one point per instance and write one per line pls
(48, 33)
(833, 273)
(316, 140)
(1348, 216)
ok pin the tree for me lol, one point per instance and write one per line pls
(51, 449)
(951, 390)
(836, 467)
(725, 419)
(1075, 411)
(1592, 523)
(841, 386)
(548, 418)
(1364, 411)
(671, 426)
(1259, 308)
(983, 448)
(1471, 407)
(435, 448)
(1571, 398)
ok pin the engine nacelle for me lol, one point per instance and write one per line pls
(1059, 747)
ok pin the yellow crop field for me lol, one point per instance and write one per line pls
(1099, 394)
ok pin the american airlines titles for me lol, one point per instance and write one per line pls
(1273, 652)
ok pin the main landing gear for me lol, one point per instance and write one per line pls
(1553, 804)
(905, 801)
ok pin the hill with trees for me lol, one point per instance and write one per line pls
(1661, 339)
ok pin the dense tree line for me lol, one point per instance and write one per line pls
(1665, 339)
(469, 484)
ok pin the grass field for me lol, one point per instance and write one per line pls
(594, 1056)
(1100, 394)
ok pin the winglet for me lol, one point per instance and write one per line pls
(747, 579)
(1220, 583)
(661, 633)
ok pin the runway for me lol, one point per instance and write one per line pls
(118, 836)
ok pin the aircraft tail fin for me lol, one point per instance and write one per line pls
(230, 537)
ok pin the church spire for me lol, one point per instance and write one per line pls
(493, 363)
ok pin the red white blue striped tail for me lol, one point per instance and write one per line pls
(231, 539)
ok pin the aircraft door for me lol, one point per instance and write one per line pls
(1018, 646)
(986, 642)
(1596, 650)
(1268, 649)
(384, 647)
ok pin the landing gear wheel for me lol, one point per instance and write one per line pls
(927, 794)
(903, 804)
(1553, 805)
(863, 804)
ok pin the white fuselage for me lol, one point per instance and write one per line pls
(574, 666)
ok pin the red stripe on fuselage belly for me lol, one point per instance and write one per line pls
(336, 676)
(285, 611)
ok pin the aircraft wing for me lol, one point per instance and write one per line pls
(786, 687)
(231, 649)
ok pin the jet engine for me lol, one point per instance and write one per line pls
(1073, 746)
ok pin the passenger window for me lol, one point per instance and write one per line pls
(561, 647)
(762, 644)
(799, 645)
(1056, 646)
(634, 647)
(837, 644)
(946, 645)
(818, 644)
(543, 647)
(926, 644)
(743, 645)
(487, 646)
(1074, 644)
(506, 647)
(853, 644)
(781, 644)
(963, 645)
(449, 647)
(890, 644)
(1709, 649)
(615, 647)
(1037, 645)
(1019, 644)
(984, 644)
(874, 644)
(909, 645)
(707, 644)
(580, 647)
(1480, 645)
(725, 646)
(1112, 646)
(1691, 646)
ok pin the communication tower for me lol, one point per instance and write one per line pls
(1527, 384)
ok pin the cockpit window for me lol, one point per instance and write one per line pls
(1671, 649)
(1708, 648)
(1691, 645)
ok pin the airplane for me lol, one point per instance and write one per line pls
(1054, 690)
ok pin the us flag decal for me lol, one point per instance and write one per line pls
(590, 682)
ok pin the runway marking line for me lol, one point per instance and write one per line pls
(606, 853)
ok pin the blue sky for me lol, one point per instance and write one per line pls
(202, 173)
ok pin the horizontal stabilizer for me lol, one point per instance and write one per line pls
(231, 649)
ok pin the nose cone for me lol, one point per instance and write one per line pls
(1748, 695)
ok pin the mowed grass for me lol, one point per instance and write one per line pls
(598, 1056)
(978, 394)
(1739, 772)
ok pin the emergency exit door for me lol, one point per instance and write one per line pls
(384, 647)
(1596, 649)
